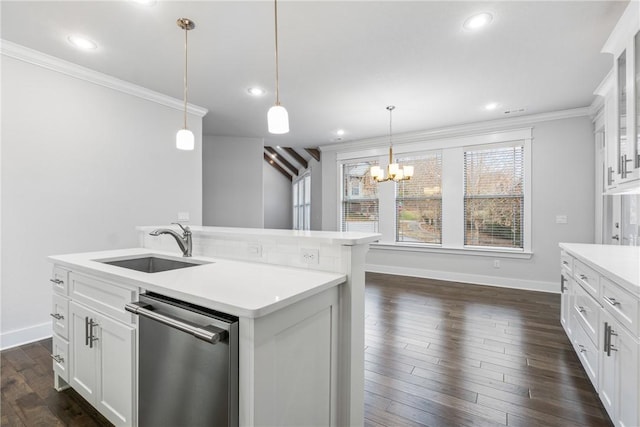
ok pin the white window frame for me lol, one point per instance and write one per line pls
(306, 213)
(452, 191)
(340, 182)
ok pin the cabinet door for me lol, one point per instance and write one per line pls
(116, 365)
(83, 366)
(620, 373)
(607, 367)
(566, 302)
(628, 395)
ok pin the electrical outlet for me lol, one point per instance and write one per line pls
(183, 216)
(309, 256)
(561, 219)
(496, 263)
(255, 249)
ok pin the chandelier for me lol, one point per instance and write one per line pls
(395, 172)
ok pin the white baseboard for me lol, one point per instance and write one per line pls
(25, 336)
(502, 282)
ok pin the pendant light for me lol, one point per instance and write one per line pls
(394, 171)
(277, 117)
(184, 138)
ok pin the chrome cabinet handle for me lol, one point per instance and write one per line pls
(86, 330)
(611, 301)
(57, 281)
(581, 309)
(57, 316)
(57, 358)
(562, 286)
(606, 338)
(582, 349)
(610, 176)
(565, 262)
(91, 338)
(583, 277)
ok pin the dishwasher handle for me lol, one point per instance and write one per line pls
(208, 333)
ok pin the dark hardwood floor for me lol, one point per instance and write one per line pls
(437, 354)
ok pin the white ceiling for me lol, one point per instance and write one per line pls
(341, 62)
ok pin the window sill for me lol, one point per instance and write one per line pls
(487, 252)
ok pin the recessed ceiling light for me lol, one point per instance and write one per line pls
(82, 42)
(256, 91)
(491, 106)
(145, 2)
(477, 21)
(340, 132)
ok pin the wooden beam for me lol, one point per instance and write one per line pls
(282, 160)
(293, 153)
(315, 153)
(277, 166)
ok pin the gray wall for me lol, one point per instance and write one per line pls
(562, 184)
(277, 199)
(232, 182)
(82, 165)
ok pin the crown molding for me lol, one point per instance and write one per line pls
(459, 130)
(25, 54)
(625, 29)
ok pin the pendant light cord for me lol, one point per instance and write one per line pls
(390, 108)
(186, 31)
(275, 7)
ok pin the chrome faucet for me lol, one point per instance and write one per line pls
(183, 241)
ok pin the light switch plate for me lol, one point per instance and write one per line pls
(183, 216)
(561, 219)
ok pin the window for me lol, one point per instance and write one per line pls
(359, 210)
(494, 196)
(302, 203)
(470, 193)
(419, 200)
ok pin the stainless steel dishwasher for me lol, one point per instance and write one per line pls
(188, 364)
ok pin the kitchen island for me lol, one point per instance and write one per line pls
(299, 297)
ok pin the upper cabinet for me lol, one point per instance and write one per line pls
(621, 91)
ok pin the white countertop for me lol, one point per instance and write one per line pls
(243, 289)
(621, 263)
(350, 238)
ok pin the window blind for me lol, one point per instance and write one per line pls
(419, 200)
(359, 198)
(494, 196)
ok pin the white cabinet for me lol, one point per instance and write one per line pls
(102, 362)
(566, 291)
(620, 373)
(602, 319)
(94, 343)
(622, 104)
(60, 325)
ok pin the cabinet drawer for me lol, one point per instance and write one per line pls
(59, 315)
(566, 262)
(105, 297)
(587, 277)
(586, 351)
(60, 281)
(587, 312)
(622, 305)
(59, 354)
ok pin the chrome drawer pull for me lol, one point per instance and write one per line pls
(611, 301)
(565, 262)
(581, 309)
(57, 281)
(583, 277)
(57, 358)
(57, 316)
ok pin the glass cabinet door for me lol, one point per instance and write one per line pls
(636, 152)
(622, 109)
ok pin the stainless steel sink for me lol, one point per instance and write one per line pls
(152, 264)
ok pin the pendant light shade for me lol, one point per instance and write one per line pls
(277, 117)
(184, 138)
(278, 120)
